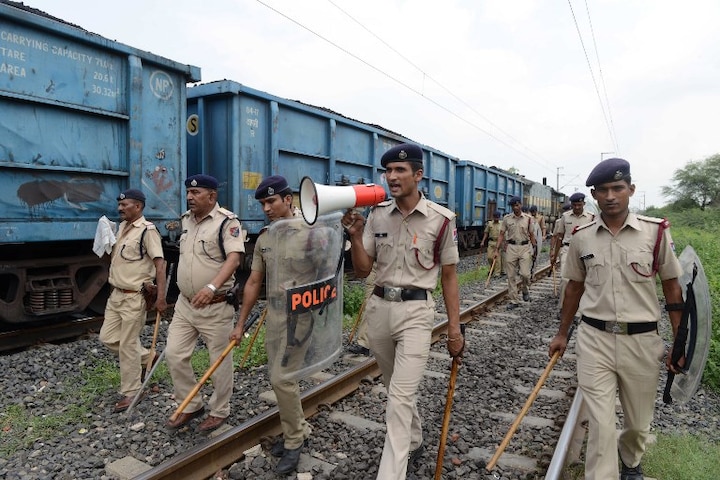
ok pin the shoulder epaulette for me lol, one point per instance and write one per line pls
(149, 225)
(385, 203)
(441, 210)
(186, 214)
(581, 227)
(645, 218)
(227, 212)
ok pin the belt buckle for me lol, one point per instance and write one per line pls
(617, 327)
(392, 294)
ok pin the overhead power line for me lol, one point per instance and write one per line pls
(443, 87)
(592, 75)
(403, 84)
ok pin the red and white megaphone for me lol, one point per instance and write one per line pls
(316, 200)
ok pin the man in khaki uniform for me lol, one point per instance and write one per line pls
(566, 224)
(410, 239)
(211, 249)
(491, 235)
(136, 259)
(540, 229)
(276, 198)
(516, 231)
(611, 268)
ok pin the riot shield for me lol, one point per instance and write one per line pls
(684, 386)
(304, 291)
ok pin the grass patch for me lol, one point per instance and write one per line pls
(679, 457)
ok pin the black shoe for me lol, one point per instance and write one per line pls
(634, 473)
(416, 454)
(526, 296)
(278, 449)
(358, 349)
(512, 306)
(289, 461)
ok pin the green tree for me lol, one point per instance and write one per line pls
(698, 182)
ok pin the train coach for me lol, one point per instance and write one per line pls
(83, 118)
(241, 135)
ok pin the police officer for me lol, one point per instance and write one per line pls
(567, 224)
(276, 198)
(540, 229)
(575, 217)
(136, 259)
(211, 249)
(491, 235)
(411, 239)
(516, 230)
(611, 267)
(566, 207)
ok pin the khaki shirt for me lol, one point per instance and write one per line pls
(403, 248)
(129, 270)
(493, 230)
(609, 265)
(568, 221)
(517, 228)
(200, 254)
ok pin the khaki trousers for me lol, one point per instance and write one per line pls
(214, 324)
(292, 417)
(399, 335)
(518, 260)
(125, 317)
(626, 364)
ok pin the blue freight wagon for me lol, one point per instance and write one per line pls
(241, 135)
(81, 119)
(479, 192)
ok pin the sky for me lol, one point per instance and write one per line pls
(548, 88)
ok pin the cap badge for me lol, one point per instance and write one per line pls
(271, 191)
(193, 182)
(402, 155)
(122, 196)
(618, 175)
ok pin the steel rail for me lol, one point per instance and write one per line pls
(203, 461)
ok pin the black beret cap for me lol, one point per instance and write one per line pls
(405, 152)
(567, 207)
(610, 170)
(132, 194)
(202, 180)
(272, 185)
(533, 208)
(514, 200)
(496, 214)
(577, 197)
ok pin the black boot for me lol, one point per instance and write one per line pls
(289, 461)
(634, 473)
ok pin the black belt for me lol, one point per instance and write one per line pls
(513, 242)
(565, 244)
(621, 328)
(397, 294)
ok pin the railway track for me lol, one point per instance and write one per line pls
(352, 402)
(15, 337)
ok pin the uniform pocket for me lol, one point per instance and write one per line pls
(597, 272)
(640, 266)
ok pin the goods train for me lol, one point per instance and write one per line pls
(84, 117)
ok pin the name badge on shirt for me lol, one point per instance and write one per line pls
(587, 257)
(381, 235)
